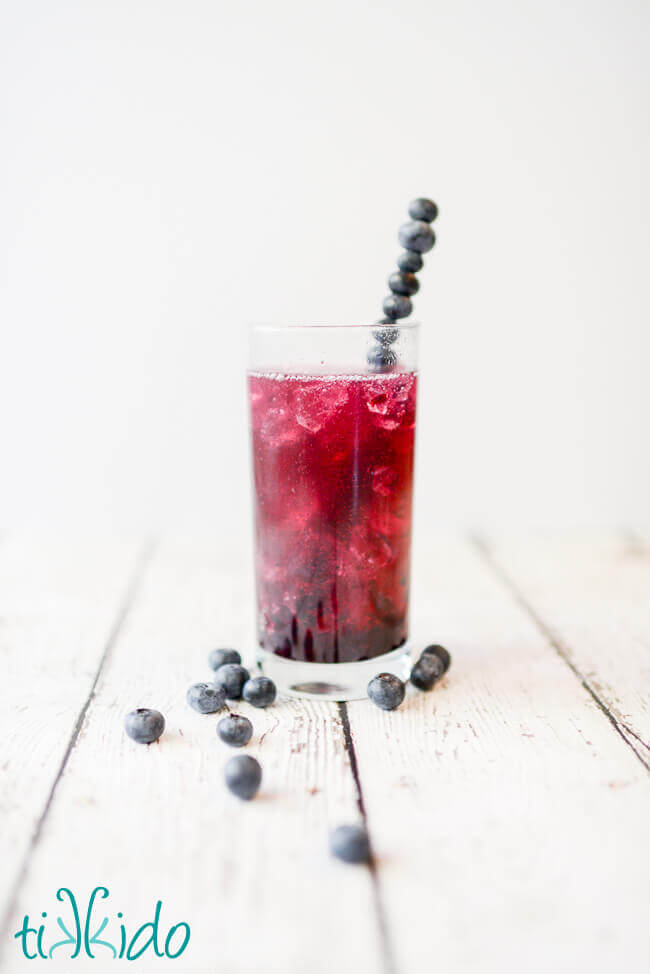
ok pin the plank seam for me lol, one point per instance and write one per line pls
(380, 909)
(123, 611)
(483, 548)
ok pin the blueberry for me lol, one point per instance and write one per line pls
(417, 235)
(219, 657)
(143, 725)
(423, 209)
(232, 677)
(410, 262)
(235, 730)
(207, 698)
(386, 691)
(386, 335)
(402, 283)
(427, 671)
(381, 358)
(260, 691)
(350, 843)
(243, 776)
(397, 306)
(441, 653)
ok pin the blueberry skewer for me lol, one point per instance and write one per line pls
(417, 238)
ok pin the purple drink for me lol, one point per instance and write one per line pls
(333, 474)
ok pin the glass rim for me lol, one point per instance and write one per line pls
(255, 326)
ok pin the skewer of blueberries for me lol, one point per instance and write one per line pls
(417, 238)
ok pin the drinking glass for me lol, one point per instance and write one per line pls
(332, 445)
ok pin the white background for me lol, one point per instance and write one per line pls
(169, 171)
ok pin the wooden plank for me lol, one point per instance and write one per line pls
(59, 602)
(508, 819)
(591, 597)
(254, 880)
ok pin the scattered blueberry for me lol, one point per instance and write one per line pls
(350, 843)
(143, 725)
(417, 235)
(386, 691)
(410, 262)
(381, 358)
(219, 657)
(260, 691)
(427, 671)
(397, 306)
(243, 776)
(441, 653)
(402, 283)
(207, 698)
(423, 209)
(386, 335)
(235, 730)
(232, 677)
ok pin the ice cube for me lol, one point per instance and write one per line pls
(378, 402)
(389, 422)
(383, 480)
(316, 404)
(387, 411)
(278, 427)
(370, 550)
(389, 399)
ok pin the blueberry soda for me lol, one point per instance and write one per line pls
(333, 474)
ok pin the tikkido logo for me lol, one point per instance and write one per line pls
(77, 928)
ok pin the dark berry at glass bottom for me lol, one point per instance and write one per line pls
(333, 475)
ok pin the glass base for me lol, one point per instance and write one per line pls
(332, 681)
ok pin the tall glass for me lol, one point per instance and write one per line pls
(332, 441)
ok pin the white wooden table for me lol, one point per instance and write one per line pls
(508, 809)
